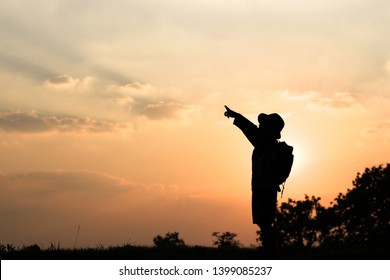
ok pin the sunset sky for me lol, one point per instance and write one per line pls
(111, 112)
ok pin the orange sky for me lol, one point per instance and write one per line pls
(111, 113)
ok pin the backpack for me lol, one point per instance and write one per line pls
(284, 162)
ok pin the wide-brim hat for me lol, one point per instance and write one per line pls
(272, 122)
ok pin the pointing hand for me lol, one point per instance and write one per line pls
(230, 113)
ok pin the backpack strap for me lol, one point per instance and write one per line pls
(281, 194)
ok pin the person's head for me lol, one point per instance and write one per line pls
(272, 124)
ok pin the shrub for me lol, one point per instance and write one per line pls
(226, 240)
(171, 239)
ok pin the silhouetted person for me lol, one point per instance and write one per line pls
(264, 185)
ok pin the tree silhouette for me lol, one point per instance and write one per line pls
(297, 224)
(171, 239)
(362, 215)
(226, 240)
(360, 218)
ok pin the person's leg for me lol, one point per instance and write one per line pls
(263, 210)
(267, 236)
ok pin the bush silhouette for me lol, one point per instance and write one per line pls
(226, 240)
(171, 239)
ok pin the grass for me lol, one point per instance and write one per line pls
(131, 252)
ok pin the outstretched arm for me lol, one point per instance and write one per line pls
(247, 127)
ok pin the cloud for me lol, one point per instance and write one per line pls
(68, 82)
(156, 110)
(78, 185)
(387, 67)
(318, 101)
(32, 122)
(23, 66)
(380, 128)
(45, 206)
(50, 183)
(304, 96)
(76, 190)
(146, 100)
(339, 100)
(41, 206)
(62, 80)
